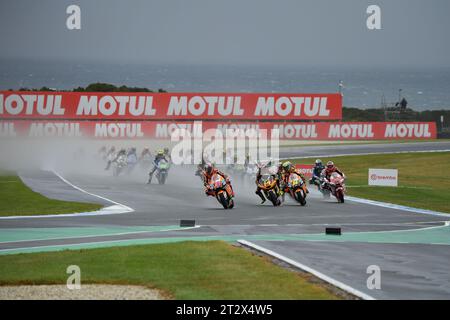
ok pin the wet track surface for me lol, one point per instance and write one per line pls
(415, 269)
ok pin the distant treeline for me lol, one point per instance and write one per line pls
(97, 87)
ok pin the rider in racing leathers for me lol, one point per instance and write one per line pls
(110, 157)
(208, 172)
(289, 168)
(266, 167)
(317, 171)
(167, 154)
(326, 173)
(159, 156)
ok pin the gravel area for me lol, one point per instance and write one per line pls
(87, 292)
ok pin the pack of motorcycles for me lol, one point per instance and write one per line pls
(273, 188)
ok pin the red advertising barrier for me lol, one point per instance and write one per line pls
(168, 106)
(163, 130)
(306, 169)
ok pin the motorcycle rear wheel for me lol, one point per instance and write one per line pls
(273, 198)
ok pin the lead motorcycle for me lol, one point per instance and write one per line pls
(269, 186)
(221, 189)
(337, 186)
(296, 188)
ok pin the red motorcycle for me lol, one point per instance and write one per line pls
(337, 186)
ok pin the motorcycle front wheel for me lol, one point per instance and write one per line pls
(299, 197)
(223, 200)
(340, 196)
(273, 198)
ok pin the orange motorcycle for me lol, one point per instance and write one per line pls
(296, 188)
(221, 189)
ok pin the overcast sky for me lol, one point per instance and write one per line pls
(268, 32)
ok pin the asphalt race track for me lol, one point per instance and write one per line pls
(412, 249)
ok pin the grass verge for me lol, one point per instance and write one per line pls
(424, 178)
(16, 199)
(186, 270)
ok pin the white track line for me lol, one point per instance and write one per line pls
(397, 207)
(303, 267)
(117, 208)
(89, 193)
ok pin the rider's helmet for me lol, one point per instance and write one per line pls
(123, 150)
(209, 167)
(330, 165)
(113, 149)
(287, 165)
(318, 162)
(160, 152)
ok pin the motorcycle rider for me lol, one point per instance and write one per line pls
(110, 156)
(145, 153)
(167, 154)
(159, 156)
(265, 167)
(289, 168)
(317, 171)
(208, 172)
(326, 173)
(132, 157)
(122, 153)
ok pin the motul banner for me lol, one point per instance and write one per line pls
(167, 106)
(164, 129)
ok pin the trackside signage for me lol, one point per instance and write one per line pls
(383, 177)
(164, 129)
(166, 106)
(305, 169)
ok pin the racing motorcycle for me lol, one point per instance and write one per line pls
(119, 165)
(162, 171)
(337, 186)
(296, 188)
(268, 185)
(131, 162)
(315, 180)
(219, 187)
